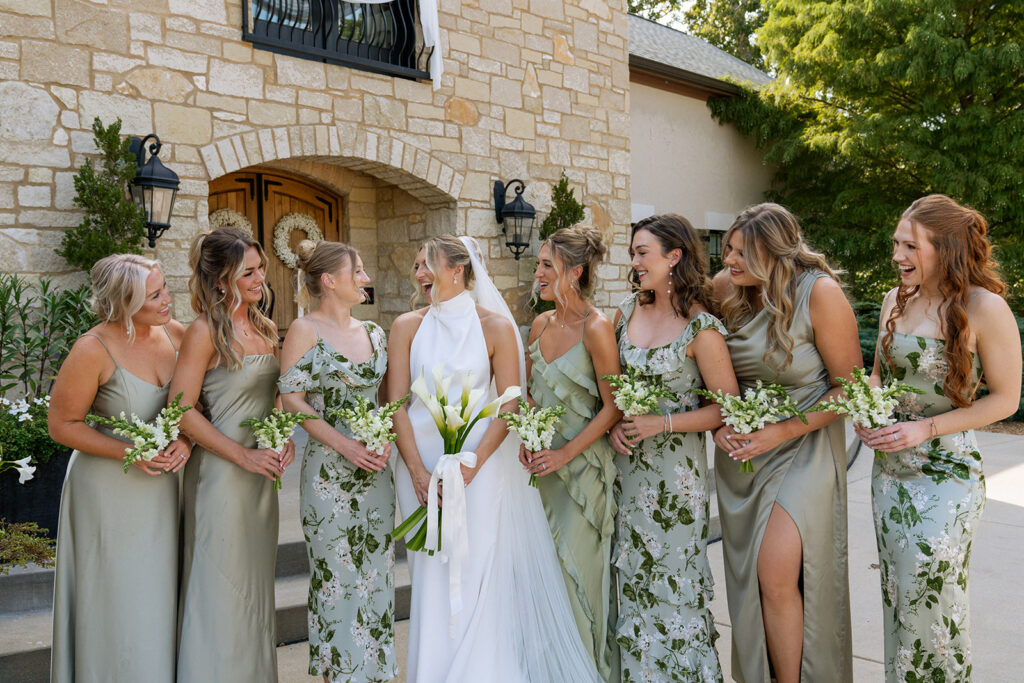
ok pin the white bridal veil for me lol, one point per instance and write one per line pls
(538, 637)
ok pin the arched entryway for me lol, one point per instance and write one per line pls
(264, 198)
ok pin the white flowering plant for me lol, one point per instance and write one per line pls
(275, 429)
(370, 425)
(454, 420)
(535, 426)
(148, 438)
(25, 441)
(867, 406)
(759, 405)
(636, 393)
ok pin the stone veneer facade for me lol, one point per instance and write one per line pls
(531, 87)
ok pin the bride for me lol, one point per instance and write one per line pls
(498, 612)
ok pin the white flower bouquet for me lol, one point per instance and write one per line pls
(370, 425)
(454, 422)
(148, 438)
(275, 429)
(868, 406)
(636, 393)
(760, 405)
(535, 426)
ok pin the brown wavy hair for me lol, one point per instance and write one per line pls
(773, 249)
(218, 260)
(690, 284)
(964, 261)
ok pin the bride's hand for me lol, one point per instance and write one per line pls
(548, 461)
(468, 473)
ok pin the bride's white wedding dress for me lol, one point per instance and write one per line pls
(515, 623)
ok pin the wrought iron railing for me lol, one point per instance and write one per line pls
(384, 38)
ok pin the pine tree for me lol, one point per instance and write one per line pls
(565, 210)
(113, 224)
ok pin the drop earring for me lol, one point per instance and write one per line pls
(455, 280)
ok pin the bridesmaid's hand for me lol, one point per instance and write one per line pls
(896, 437)
(261, 461)
(638, 428)
(525, 457)
(619, 441)
(287, 456)
(746, 446)
(725, 438)
(174, 457)
(547, 461)
(152, 468)
(359, 455)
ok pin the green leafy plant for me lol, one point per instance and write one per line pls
(22, 544)
(24, 431)
(113, 224)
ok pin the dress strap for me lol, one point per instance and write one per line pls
(315, 327)
(583, 323)
(170, 339)
(105, 347)
(546, 323)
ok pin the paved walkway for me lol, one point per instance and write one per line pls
(997, 591)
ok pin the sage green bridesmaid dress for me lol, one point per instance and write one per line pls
(807, 477)
(231, 520)
(578, 500)
(115, 597)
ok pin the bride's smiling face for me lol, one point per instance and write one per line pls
(440, 285)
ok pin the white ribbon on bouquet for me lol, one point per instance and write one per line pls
(454, 536)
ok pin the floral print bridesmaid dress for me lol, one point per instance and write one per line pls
(665, 629)
(346, 515)
(927, 504)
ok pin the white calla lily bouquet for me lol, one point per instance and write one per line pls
(535, 426)
(867, 406)
(148, 438)
(759, 406)
(636, 393)
(454, 421)
(370, 425)
(275, 429)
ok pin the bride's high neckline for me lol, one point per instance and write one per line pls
(459, 303)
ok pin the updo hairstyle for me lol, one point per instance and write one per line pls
(315, 259)
(119, 288)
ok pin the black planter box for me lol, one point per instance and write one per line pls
(37, 500)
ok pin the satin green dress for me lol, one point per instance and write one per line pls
(807, 477)
(665, 630)
(927, 504)
(231, 521)
(115, 597)
(579, 501)
(347, 514)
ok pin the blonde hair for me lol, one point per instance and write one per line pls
(219, 257)
(579, 245)
(119, 288)
(315, 259)
(454, 253)
(773, 249)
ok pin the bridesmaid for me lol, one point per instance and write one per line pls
(665, 626)
(228, 365)
(116, 586)
(784, 526)
(944, 330)
(576, 476)
(347, 495)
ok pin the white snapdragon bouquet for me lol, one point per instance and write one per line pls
(454, 421)
(275, 429)
(636, 393)
(759, 405)
(148, 438)
(867, 406)
(535, 426)
(370, 425)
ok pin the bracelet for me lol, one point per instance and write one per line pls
(664, 420)
(670, 423)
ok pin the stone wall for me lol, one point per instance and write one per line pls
(531, 87)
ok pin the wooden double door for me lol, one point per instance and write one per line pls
(263, 199)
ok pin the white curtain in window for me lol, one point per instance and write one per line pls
(431, 35)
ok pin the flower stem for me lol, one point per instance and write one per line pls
(408, 524)
(277, 483)
(880, 455)
(746, 467)
(533, 480)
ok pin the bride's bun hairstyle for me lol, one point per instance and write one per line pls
(445, 250)
(964, 258)
(578, 246)
(690, 284)
(218, 260)
(314, 259)
(119, 288)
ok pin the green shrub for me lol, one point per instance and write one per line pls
(24, 544)
(565, 213)
(113, 224)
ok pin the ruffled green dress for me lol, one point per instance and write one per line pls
(347, 513)
(927, 502)
(665, 629)
(579, 501)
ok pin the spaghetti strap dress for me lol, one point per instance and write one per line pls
(346, 514)
(579, 501)
(807, 478)
(665, 629)
(927, 503)
(115, 597)
(231, 522)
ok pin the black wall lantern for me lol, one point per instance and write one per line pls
(516, 217)
(154, 187)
